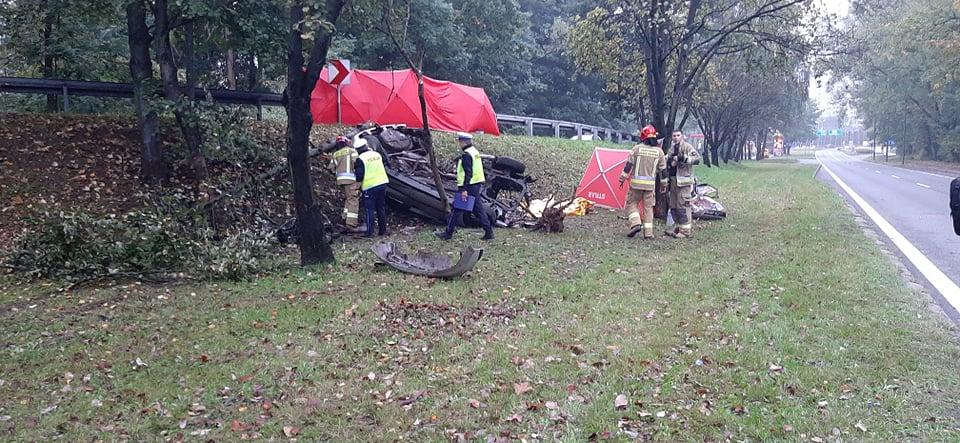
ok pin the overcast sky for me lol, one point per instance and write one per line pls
(820, 94)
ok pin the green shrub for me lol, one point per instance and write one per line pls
(79, 245)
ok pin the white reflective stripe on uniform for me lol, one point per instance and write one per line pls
(686, 226)
(648, 225)
(634, 214)
(642, 180)
(347, 175)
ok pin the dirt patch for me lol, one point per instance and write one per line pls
(52, 163)
(411, 319)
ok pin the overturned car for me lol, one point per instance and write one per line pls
(412, 188)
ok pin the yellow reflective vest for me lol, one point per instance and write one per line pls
(374, 173)
(478, 176)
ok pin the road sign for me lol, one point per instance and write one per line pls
(338, 72)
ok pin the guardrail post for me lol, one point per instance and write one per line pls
(529, 123)
(556, 129)
(259, 109)
(579, 129)
(609, 134)
(619, 137)
(66, 100)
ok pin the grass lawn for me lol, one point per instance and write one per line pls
(781, 323)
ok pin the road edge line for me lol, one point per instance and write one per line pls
(943, 284)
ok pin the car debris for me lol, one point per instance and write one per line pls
(411, 184)
(426, 263)
(705, 205)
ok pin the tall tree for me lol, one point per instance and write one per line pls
(164, 23)
(153, 168)
(313, 23)
(899, 73)
(676, 40)
(396, 25)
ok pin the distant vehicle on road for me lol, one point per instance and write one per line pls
(955, 204)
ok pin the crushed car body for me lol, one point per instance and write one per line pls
(412, 188)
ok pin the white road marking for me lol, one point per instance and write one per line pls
(947, 288)
(923, 185)
(895, 176)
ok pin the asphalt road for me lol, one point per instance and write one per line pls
(915, 204)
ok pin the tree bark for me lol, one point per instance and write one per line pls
(313, 244)
(428, 141)
(188, 55)
(231, 70)
(192, 136)
(253, 73)
(153, 170)
(48, 62)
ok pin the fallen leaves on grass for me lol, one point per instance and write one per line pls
(291, 431)
(522, 388)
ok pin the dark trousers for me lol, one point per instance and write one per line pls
(479, 212)
(375, 202)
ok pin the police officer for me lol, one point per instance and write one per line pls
(470, 180)
(342, 164)
(645, 161)
(680, 162)
(371, 172)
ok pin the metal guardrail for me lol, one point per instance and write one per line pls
(557, 125)
(68, 88)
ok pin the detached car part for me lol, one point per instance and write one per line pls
(425, 263)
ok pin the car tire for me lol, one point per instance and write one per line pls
(509, 164)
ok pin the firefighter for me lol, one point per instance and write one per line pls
(342, 164)
(470, 180)
(680, 163)
(371, 172)
(645, 161)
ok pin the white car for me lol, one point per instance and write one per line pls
(587, 137)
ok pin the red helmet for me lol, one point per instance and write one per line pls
(648, 132)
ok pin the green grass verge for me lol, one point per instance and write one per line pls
(781, 323)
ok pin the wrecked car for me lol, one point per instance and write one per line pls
(412, 188)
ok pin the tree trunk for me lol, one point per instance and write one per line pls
(48, 62)
(182, 108)
(253, 73)
(428, 141)
(153, 170)
(231, 70)
(188, 55)
(313, 244)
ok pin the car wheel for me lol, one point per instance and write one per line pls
(509, 164)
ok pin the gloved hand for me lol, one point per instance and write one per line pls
(681, 158)
(622, 179)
